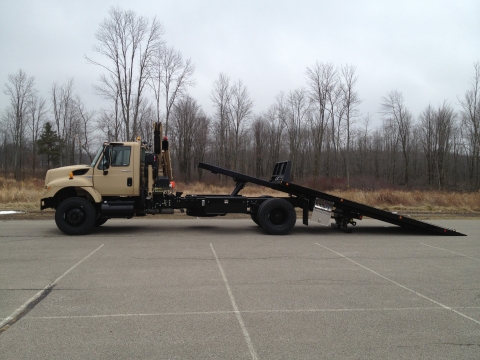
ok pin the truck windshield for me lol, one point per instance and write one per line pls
(99, 153)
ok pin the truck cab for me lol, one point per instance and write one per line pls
(118, 183)
(118, 169)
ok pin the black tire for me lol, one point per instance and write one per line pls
(100, 221)
(276, 216)
(75, 216)
(253, 215)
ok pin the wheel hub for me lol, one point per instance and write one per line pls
(277, 217)
(75, 217)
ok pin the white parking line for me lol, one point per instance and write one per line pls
(435, 247)
(261, 311)
(402, 286)
(235, 308)
(22, 308)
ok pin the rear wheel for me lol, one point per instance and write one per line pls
(253, 215)
(254, 211)
(276, 216)
(75, 216)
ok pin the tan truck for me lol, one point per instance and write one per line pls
(126, 180)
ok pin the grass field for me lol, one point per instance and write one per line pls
(25, 196)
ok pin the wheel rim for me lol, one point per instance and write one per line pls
(75, 217)
(277, 217)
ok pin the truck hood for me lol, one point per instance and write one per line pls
(63, 172)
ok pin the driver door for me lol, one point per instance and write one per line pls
(117, 180)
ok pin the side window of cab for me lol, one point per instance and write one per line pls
(119, 156)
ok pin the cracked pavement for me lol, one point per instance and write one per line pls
(221, 288)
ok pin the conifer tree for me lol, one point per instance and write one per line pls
(49, 145)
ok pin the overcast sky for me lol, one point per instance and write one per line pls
(425, 49)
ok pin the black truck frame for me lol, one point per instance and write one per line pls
(277, 215)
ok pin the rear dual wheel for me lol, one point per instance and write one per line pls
(253, 215)
(254, 212)
(276, 216)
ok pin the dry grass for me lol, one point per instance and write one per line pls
(201, 188)
(20, 195)
(25, 195)
(416, 201)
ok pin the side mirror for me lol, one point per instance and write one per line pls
(106, 159)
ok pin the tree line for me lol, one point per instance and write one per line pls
(317, 126)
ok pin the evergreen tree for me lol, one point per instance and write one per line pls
(49, 145)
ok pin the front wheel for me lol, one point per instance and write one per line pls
(75, 216)
(276, 216)
(100, 221)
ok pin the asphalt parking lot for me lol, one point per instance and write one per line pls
(222, 289)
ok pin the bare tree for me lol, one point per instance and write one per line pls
(298, 109)
(146, 117)
(38, 111)
(336, 116)
(65, 113)
(170, 76)
(437, 135)
(20, 89)
(221, 95)
(86, 119)
(388, 140)
(458, 151)
(428, 138)
(240, 110)
(259, 133)
(185, 119)
(276, 118)
(445, 125)
(128, 42)
(350, 102)
(393, 107)
(321, 80)
(363, 147)
(4, 151)
(200, 140)
(471, 121)
(110, 124)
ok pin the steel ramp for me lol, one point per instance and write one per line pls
(348, 208)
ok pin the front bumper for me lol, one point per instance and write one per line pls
(47, 203)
